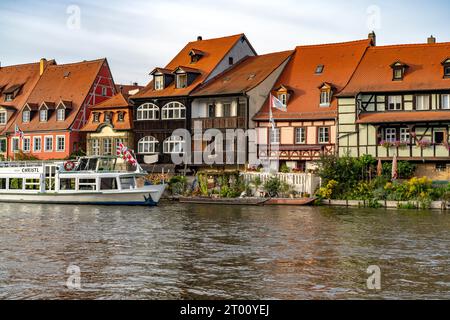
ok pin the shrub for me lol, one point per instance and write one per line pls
(285, 169)
(327, 191)
(273, 186)
(178, 185)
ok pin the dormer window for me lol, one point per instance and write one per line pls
(108, 116)
(326, 94)
(43, 114)
(283, 98)
(60, 114)
(182, 80)
(12, 92)
(196, 55)
(9, 97)
(159, 82)
(96, 117)
(446, 64)
(26, 115)
(399, 70)
(121, 117)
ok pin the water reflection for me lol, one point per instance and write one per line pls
(218, 252)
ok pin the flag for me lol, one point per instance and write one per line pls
(126, 154)
(18, 132)
(277, 104)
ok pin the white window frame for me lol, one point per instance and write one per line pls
(35, 144)
(174, 145)
(57, 144)
(390, 135)
(159, 82)
(443, 106)
(283, 98)
(3, 115)
(325, 98)
(95, 143)
(302, 135)
(41, 110)
(174, 111)
(27, 150)
(422, 102)
(323, 135)
(148, 145)
(15, 141)
(60, 112)
(147, 111)
(27, 118)
(182, 85)
(108, 147)
(404, 135)
(45, 143)
(397, 101)
(274, 136)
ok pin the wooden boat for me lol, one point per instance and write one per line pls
(88, 180)
(290, 202)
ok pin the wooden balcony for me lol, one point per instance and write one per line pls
(221, 123)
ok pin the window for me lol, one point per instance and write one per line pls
(441, 167)
(107, 147)
(60, 114)
(324, 135)
(26, 144)
(283, 98)
(159, 82)
(445, 101)
(117, 142)
(148, 111)
(300, 135)
(173, 110)
(121, 116)
(108, 116)
(9, 97)
(325, 98)
(15, 184)
(404, 135)
(181, 81)
(26, 115)
(104, 91)
(67, 184)
(15, 145)
(446, 65)
(230, 61)
(395, 103)
(211, 111)
(390, 135)
(319, 69)
(95, 147)
(147, 145)
(398, 74)
(274, 136)
(398, 71)
(174, 144)
(227, 110)
(87, 185)
(60, 143)
(3, 183)
(37, 144)
(48, 144)
(43, 115)
(108, 184)
(127, 183)
(3, 117)
(32, 184)
(423, 102)
(439, 136)
(3, 145)
(96, 117)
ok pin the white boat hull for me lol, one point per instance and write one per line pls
(145, 196)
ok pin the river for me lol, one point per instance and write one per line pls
(179, 251)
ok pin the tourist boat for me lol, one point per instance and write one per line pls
(88, 180)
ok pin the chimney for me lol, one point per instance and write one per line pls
(42, 66)
(199, 38)
(373, 37)
(431, 40)
(135, 84)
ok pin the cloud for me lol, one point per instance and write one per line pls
(136, 35)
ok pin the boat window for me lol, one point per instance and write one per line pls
(87, 185)
(3, 183)
(127, 183)
(16, 184)
(67, 184)
(82, 166)
(108, 184)
(92, 164)
(106, 165)
(32, 184)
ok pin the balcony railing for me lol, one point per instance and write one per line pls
(221, 123)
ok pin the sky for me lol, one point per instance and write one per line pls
(138, 35)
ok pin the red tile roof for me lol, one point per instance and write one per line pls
(425, 71)
(127, 88)
(339, 60)
(66, 82)
(399, 117)
(245, 75)
(26, 75)
(116, 104)
(214, 52)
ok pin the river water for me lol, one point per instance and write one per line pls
(179, 251)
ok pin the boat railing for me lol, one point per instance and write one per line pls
(25, 164)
